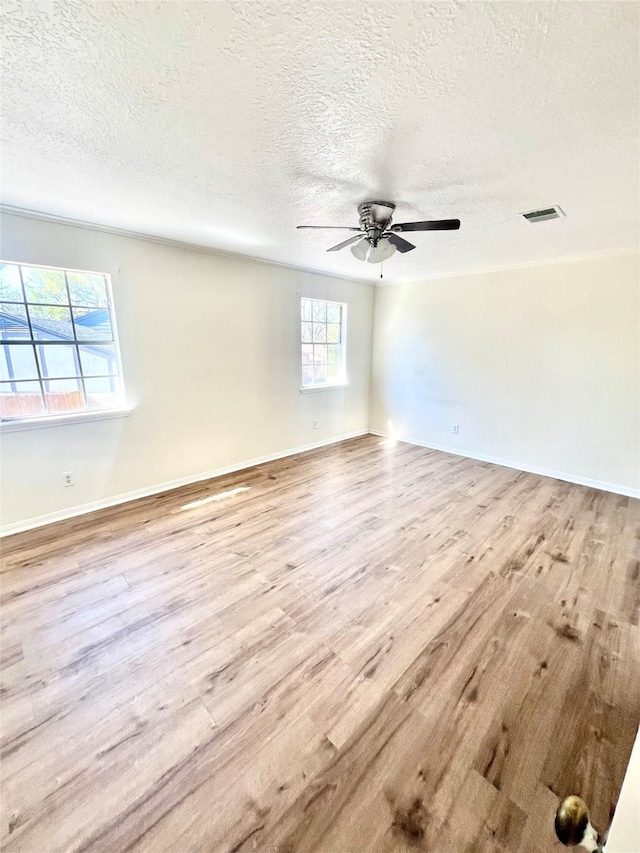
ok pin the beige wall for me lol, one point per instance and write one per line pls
(538, 365)
(210, 350)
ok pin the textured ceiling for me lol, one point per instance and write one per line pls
(227, 124)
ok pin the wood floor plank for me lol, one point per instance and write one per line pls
(371, 646)
(113, 776)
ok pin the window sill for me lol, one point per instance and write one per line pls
(60, 420)
(314, 389)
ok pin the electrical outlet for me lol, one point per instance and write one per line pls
(314, 424)
(67, 479)
(456, 429)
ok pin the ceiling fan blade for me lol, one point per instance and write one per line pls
(330, 227)
(345, 243)
(428, 225)
(400, 243)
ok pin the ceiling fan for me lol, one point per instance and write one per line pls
(377, 239)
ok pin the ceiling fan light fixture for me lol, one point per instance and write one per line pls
(382, 252)
(360, 249)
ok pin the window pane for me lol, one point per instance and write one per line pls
(333, 333)
(319, 374)
(59, 386)
(319, 311)
(10, 288)
(63, 395)
(58, 361)
(18, 363)
(44, 285)
(96, 361)
(333, 372)
(333, 353)
(307, 354)
(92, 324)
(307, 376)
(13, 322)
(51, 323)
(319, 333)
(103, 393)
(333, 312)
(319, 355)
(306, 332)
(20, 400)
(87, 289)
(306, 309)
(43, 315)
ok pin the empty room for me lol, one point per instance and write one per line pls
(320, 426)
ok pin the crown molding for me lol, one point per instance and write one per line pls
(196, 247)
(569, 259)
(168, 241)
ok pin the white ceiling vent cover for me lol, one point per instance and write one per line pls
(544, 213)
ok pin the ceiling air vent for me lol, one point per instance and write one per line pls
(544, 214)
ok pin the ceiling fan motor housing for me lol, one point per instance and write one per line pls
(375, 218)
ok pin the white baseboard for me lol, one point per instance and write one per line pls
(519, 466)
(83, 509)
(105, 503)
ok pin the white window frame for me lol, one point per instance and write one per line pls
(341, 382)
(48, 419)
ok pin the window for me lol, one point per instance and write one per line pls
(59, 348)
(324, 326)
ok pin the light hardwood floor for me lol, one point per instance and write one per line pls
(371, 648)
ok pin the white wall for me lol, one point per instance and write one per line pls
(210, 350)
(624, 836)
(538, 365)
